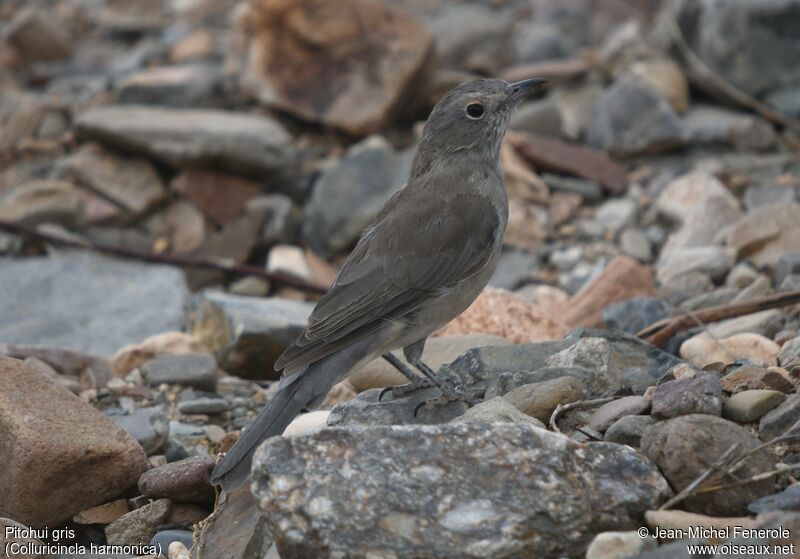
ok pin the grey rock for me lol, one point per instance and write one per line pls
(715, 126)
(138, 526)
(536, 41)
(634, 314)
(196, 85)
(204, 406)
(166, 537)
(497, 410)
(349, 194)
(683, 447)
(281, 219)
(790, 283)
(197, 370)
(750, 405)
(609, 413)
(789, 350)
(628, 430)
(236, 142)
(88, 302)
(680, 288)
(182, 481)
(590, 190)
(246, 334)
(435, 491)
(788, 499)
(149, 426)
(712, 260)
(471, 36)
(539, 117)
(764, 195)
(186, 440)
(507, 381)
(515, 268)
(633, 118)
(636, 244)
(236, 530)
(728, 31)
(613, 215)
(540, 399)
(699, 395)
(367, 410)
(787, 265)
(777, 421)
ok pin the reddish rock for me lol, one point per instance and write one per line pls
(221, 197)
(185, 480)
(61, 456)
(501, 313)
(350, 64)
(623, 279)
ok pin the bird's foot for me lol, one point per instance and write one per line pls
(405, 389)
(450, 394)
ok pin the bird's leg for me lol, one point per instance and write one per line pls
(450, 393)
(415, 381)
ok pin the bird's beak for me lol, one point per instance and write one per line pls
(520, 90)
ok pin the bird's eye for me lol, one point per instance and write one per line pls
(475, 111)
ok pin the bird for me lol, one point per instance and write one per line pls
(426, 257)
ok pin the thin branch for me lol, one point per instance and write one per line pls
(181, 261)
(660, 332)
(580, 404)
(732, 92)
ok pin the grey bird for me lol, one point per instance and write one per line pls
(429, 253)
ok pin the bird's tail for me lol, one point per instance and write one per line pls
(273, 418)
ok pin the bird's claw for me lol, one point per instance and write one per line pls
(404, 389)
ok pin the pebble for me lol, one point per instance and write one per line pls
(164, 538)
(698, 395)
(149, 426)
(132, 356)
(204, 406)
(702, 349)
(611, 412)
(182, 481)
(138, 526)
(789, 351)
(633, 315)
(498, 410)
(775, 422)
(619, 545)
(628, 430)
(752, 377)
(196, 370)
(788, 499)
(750, 405)
(540, 399)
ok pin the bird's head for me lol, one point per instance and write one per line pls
(473, 118)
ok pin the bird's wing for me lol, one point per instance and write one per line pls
(402, 261)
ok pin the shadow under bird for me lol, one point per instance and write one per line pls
(429, 253)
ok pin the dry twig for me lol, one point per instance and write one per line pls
(575, 405)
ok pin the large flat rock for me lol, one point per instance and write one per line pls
(88, 302)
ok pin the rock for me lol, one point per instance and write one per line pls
(695, 395)
(282, 219)
(61, 455)
(236, 530)
(185, 480)
(246, 334)
(450, 503)
(165, 539)
(351, 191)
(633, 118)
(765, 323)
(765, 195)
(612, 216)
(702, 226)
(307, 422)
(206, 406)
(221, 197)
(149, 426)
(780, 419)
(787, 265)
(634, 314)
(37, 35)
(593, 354)
(132, 184)
(750, 405)
(197, 370)
(636, 244)
(619, 545)
(102, 514)
(498, 410)
(684, 288)
(788, 499)
(514, 268)
(13, 534)
(367, 410)
(250, 286)
(724, 35)
(44, 201)
(290, 260)
(682, 520)
(555, 155)
(628, 430)
(714, 126)
(370, 45)
(622, 279)
(438, 351)
(195, 85)
(71, 299)
(610, 413)
(683, 195)
(666, 77)
(752, 377)
(138, 526)
(537, 41)
(714, 261)
(132, 356)
(702, 349)
(790, 350)
(683, 447)
(540, 399)
(540, 117)
(89, 371)
(766, 234)
(497, 312)
(236, 142)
